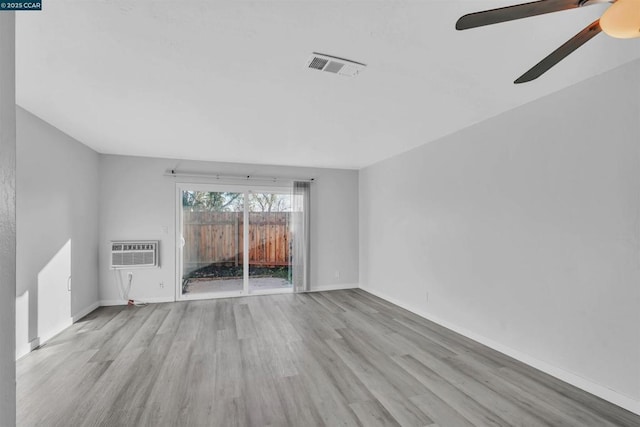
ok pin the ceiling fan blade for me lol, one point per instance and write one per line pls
(510, 13)
(560, 53)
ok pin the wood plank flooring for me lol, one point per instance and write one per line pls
(340, 358)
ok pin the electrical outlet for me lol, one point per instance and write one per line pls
(130, 275)
(336, 274)
(162, 285)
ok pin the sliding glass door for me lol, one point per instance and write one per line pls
(215, 225)
(211, 241)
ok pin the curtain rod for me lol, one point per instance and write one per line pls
(176, 174)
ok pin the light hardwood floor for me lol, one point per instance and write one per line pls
(330, 358)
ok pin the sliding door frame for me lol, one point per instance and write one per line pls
(222, 187)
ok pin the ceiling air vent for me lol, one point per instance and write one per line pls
(335, 65)
(318, 63)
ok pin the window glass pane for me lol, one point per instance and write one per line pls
(269, 241)
(212, 254)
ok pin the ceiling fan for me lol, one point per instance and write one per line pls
(620, 20)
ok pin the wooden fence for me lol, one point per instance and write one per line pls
(216, 238)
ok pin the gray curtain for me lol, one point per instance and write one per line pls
(300, 236)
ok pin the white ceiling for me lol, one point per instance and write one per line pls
(225, 80)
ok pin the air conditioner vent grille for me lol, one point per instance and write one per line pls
(318, 63)
(334, 65)
(138, 253)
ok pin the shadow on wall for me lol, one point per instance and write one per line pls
(44, 308)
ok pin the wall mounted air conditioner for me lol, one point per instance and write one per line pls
(134, 253)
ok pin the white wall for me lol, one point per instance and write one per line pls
(525, 232)
(138, 202)
(57, 211)
(7, 220)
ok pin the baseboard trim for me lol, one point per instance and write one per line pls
(28, 348)
(575, 380)
(79, 315)
(59, 328)
(151, 300)
(335, 287)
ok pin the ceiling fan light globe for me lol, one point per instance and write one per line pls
(622, 19)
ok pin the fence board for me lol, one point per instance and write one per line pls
(216, 238)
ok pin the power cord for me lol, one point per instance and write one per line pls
(124, 292)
